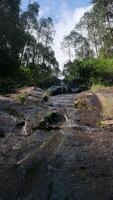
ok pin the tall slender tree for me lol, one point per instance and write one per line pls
(10, 37)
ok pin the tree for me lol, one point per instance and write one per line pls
(25, 40)
(66, 45)
(75, 43)
(80, 45)
(103, 10)
(45, 31)
(29, 22)
(11, 41)
(39, 37)
(92, 42)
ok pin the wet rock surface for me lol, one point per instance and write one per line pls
(57, 90)
(55, 150)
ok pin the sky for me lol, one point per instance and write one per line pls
(65, 14)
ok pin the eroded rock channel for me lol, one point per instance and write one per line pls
(55, 149)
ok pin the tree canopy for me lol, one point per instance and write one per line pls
(26, 41)
(91, 39)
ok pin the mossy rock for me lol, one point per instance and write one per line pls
(45, 96)
(89, 109)
(21, 98)
(88, 101)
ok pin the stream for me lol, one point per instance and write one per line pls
(62, 160)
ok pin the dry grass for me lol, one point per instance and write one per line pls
(105, 95)
(96, 87)
(107, 105)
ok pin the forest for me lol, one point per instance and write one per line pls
(90, 43)
(26, 41)
(26, 53)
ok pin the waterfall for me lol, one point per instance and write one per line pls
(63, 85)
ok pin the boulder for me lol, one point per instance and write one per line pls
(89, 109)
(35, 91)
(51, 120)
(56, 90)
(44, 119)
(29, 95)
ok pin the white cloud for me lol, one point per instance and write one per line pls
(66, 22)
(45, 11)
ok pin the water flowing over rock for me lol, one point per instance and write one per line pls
(56, 90)
(55, 149)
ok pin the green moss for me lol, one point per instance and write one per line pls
(99, 124)
(80, 103)
(21, 98)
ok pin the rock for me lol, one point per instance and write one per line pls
(87, 100)
(2, 132)
(29, 95)
(56, 90)
(89, 109)
(63, 89)
(30, 91)
(43, 119)
(106, 99)
(45, 97)
(51, 120)
(52, 163)
(7, 122)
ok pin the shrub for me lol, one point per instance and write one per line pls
(91, 71)
(25, 76)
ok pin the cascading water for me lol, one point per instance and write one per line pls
(69, 122)
(64, 86)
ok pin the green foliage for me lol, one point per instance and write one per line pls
(96, 87)
(39, 75)
(21, 98)
(25, 57)
(24, 76)
(103, 70)
(48, 82)
(11, 42)
(80, 69)
(91, 42)
(91, 71)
